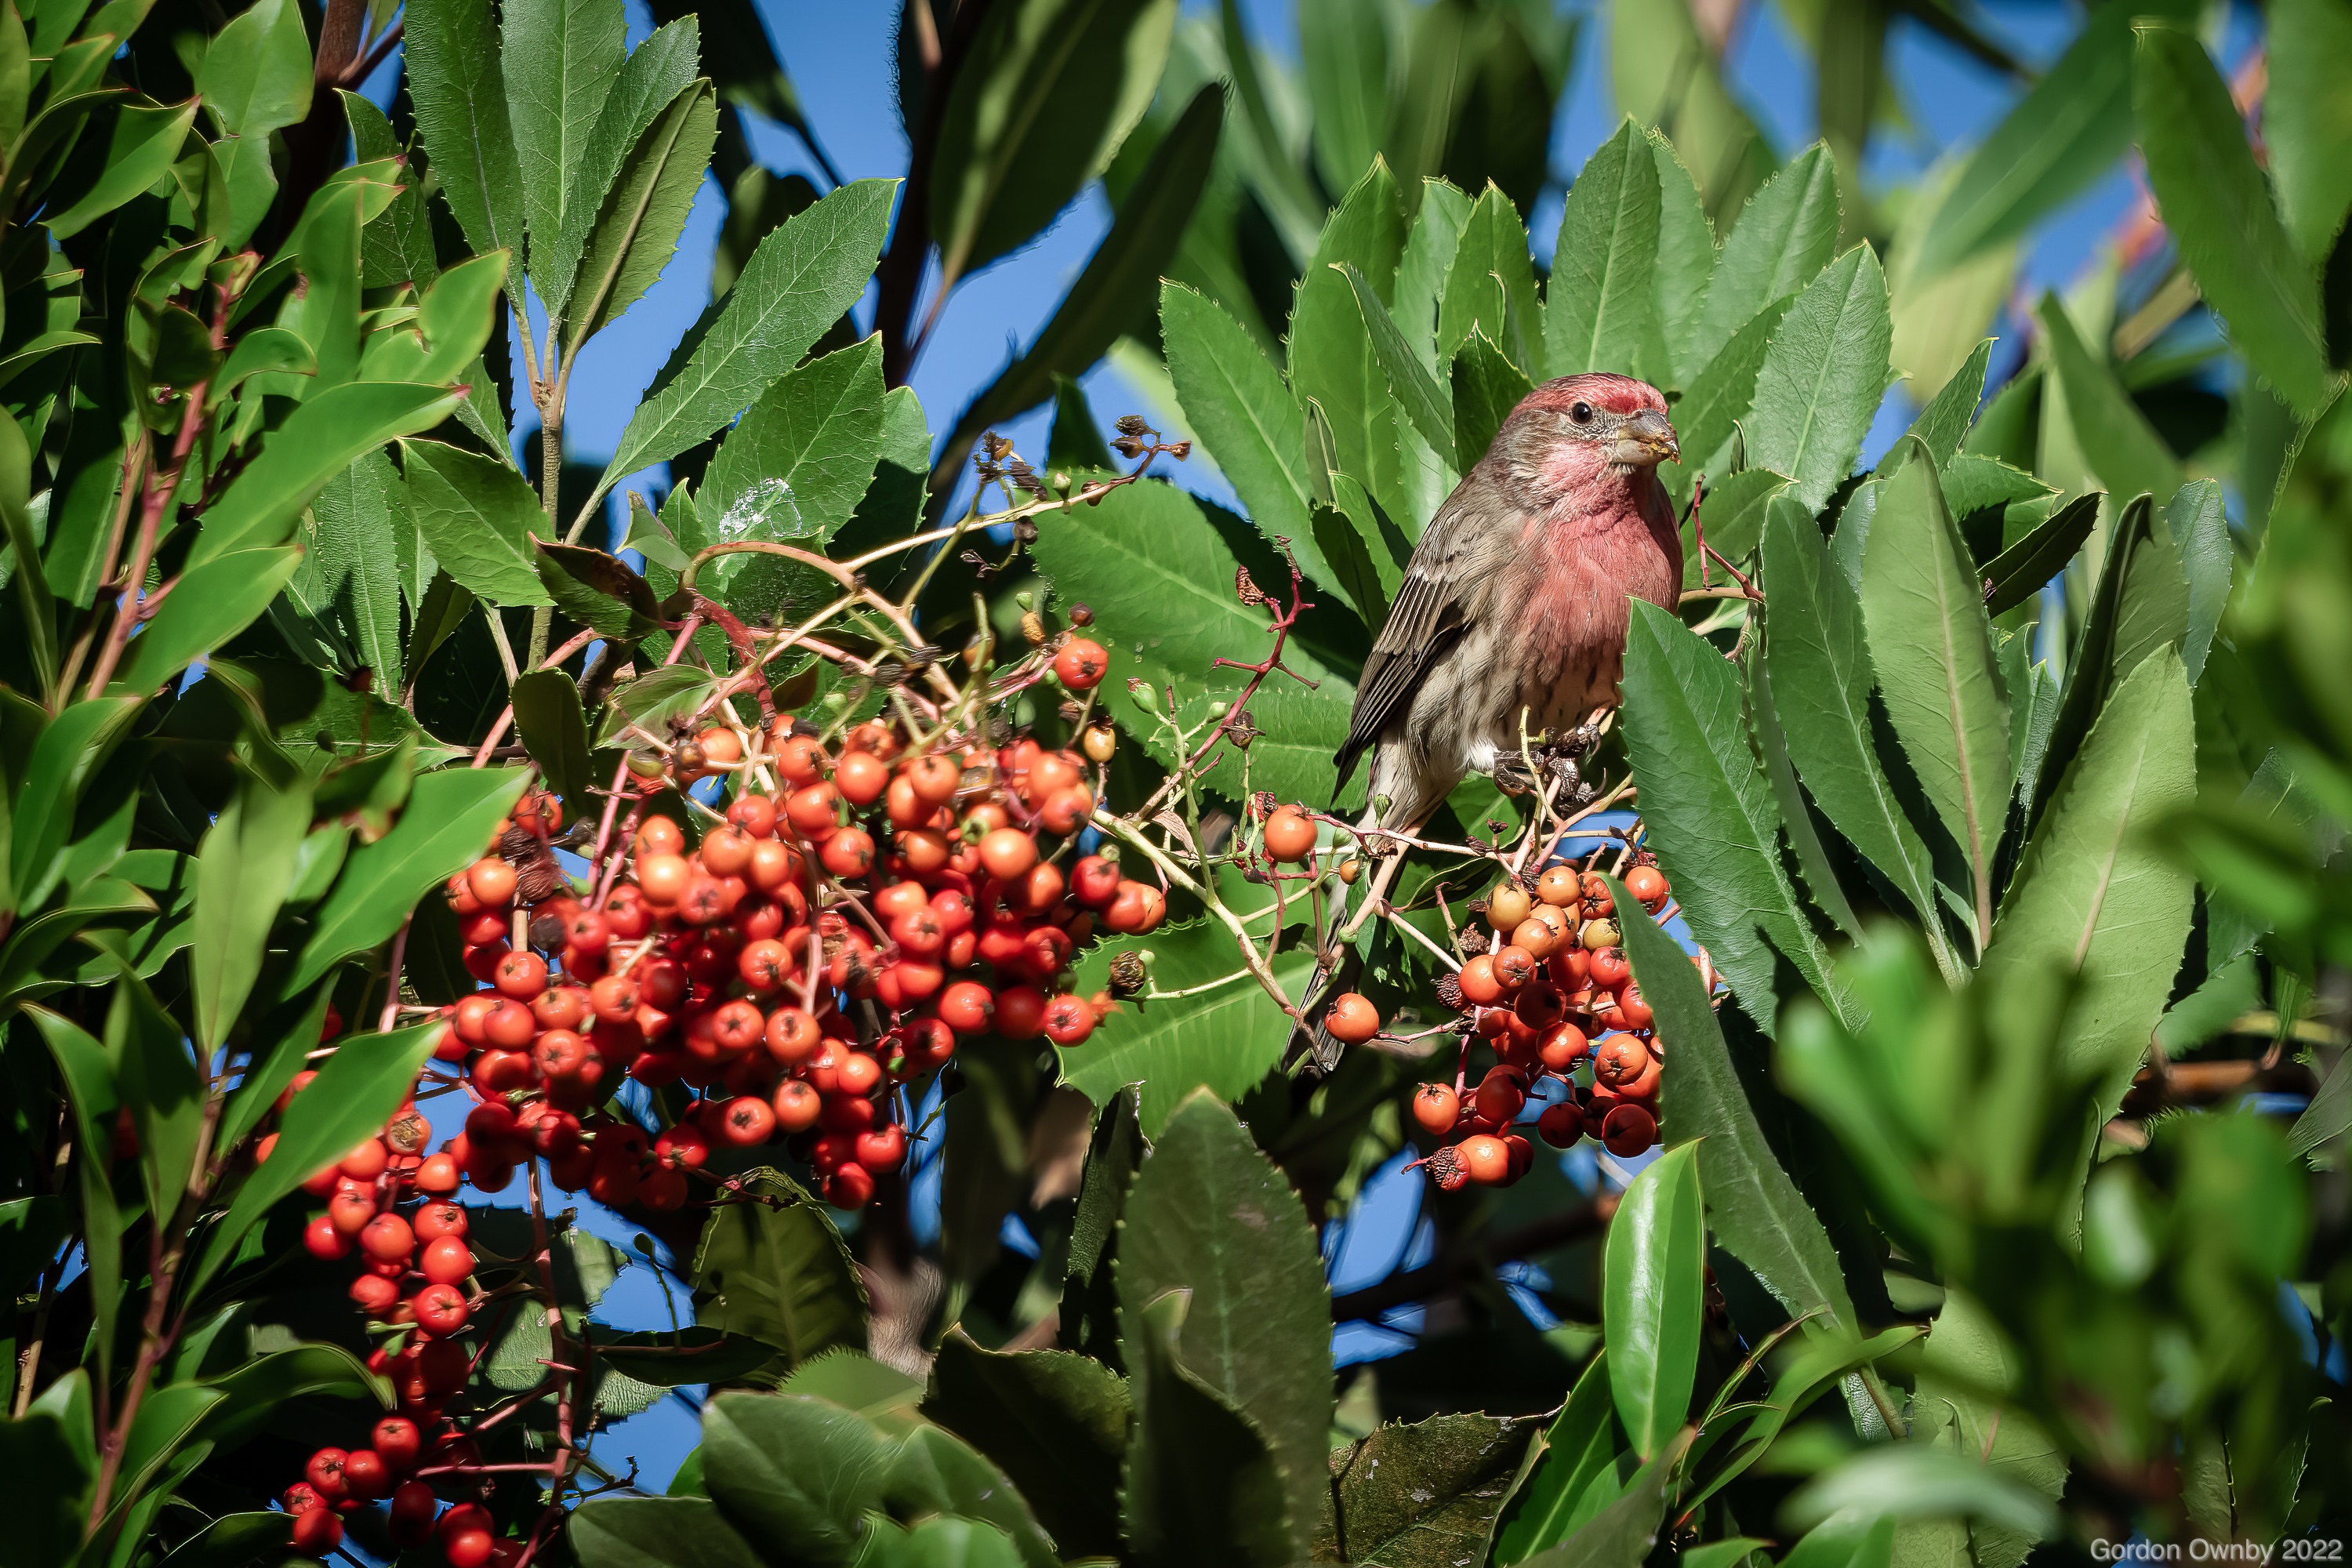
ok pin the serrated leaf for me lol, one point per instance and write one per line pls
(1785, 236)
(1491, 286)
(1710, 812)
(1422, 1495)
(1708, 417)
(476, 515)
(596, 589)
(801, 278)
(560, 60)
(2018, 573)
(756, 1450)
(648, 82)
(1684, 270)
(1823, 378)
(1819, 667)
(1332, 365)
(1054, 1421)
(2200, 536)
(348, 580)
(456, 82)
(1931, 644)
(2217, 205)
(638, 227)
(1234, 399)
(1343, 50)
(654, 1532)
(2122, 450)
(1211, 1215)
(319, 440)
(1417, 392)
(1600, 302)
(1202, 1482)
(1944, 423)
(1486, 388)
(777, 1271)
(1543, 1508)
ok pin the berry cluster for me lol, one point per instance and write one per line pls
(1556, 998)
(854, 915)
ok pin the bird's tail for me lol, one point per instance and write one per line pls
(1338, 967)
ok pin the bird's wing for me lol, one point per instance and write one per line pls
(1428, 617)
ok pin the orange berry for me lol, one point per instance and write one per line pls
(1485, 1157)
(1007, 852)
(492, 880)
(1290, 835)
(1081, 664)
(1436, 1108)
(1352, 1019)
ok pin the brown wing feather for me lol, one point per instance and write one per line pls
(1428, 617)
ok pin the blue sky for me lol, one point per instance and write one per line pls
(839, 55)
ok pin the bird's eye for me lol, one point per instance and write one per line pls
(1581, 413)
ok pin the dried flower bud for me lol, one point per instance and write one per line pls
(1025, 477)
(1472, 939)
(1033, 628)
(1127, 447)
(1446, 1169)
(541, 879)
(1025, 529)
(1449, 992)
(890, 672)
(517, 844)
(1071, 710)
(1262, 804)
(1245, 588)
(546, 930)
(1130, 425)
(1128, 973)
(1241, 731)
(1179, 451)
(997, 446)
(1081, 615)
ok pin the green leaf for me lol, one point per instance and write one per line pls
(1225, 1039)
(1212, 1217)
(1757, 1213)
(1710, 812)
(1491, 285)
(1653, 1284)
(1055, 1422)
(1343, 51)
(1823, 378)
(1931, 644)
(2308, 118)
(1708, 417)
(1786, 235)
(1332, 365)
(1601, 304)
(53, 1508)
(1237, 401)
(2018, 573)
(554, 729)
(449, 817)
(1582, 1441)
(1204, 1483)
(163, 1089)
(656, 1533)
(1046, 94)
(356, 1090)
(1944, 423)
(1486, 388)
(442, 611)
(1621, 1535)
(476, 515)
(794, 1473)
(36, 611)
(456, 82)
(15, 72)
(2139, 604)
(1967, 1406)
(253, 1391)
(2217, 205)
(777, 1271)
(1416, 391)
(71, 749)
(2200, 536)
(1113, 293)
(638, 225)
(2122, 450)
(1421, 1496)
(1910, 1480)
(2055, 142)
(272, 1069)
(257, 76)
(319, 440)
(349, 581)
(597, 590)
(1819, 668)
(1428, 257)
(243, 870)
(938, 1473)
(1684, 267)
(232, 1540)
(208, 605)
(1848, 1541)
(145, 143)
(801, 278)
(1145, 557)
(560, 60)
(2093, 893)
(797, 462)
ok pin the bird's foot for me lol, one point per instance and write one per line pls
(1512, 777)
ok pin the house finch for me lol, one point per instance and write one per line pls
(1514, 607)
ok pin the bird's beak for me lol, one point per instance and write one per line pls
(1645, 439)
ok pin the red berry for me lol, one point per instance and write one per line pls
(365, 1475)
(1068, 1020)
(325, 1473)
(412, 1507)
(1290, 835)
(388, 1240)
(1436, 1108)
(746, 1121)
(446, 1260)
(440, 1309)
(316, 1531)
(849, 1188)
(322, 1238)
(397, 1442)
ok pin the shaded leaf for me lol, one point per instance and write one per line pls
(1054, 1421)
(209, 604)
(2308, 118)
(2018, 573)
(1486, 388)
(554, 729)
(455, 82)
(1422, 1495)
(243, 870)
(774, 1269)
(1203, 1483)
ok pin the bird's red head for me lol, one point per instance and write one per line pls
(1580, 431)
